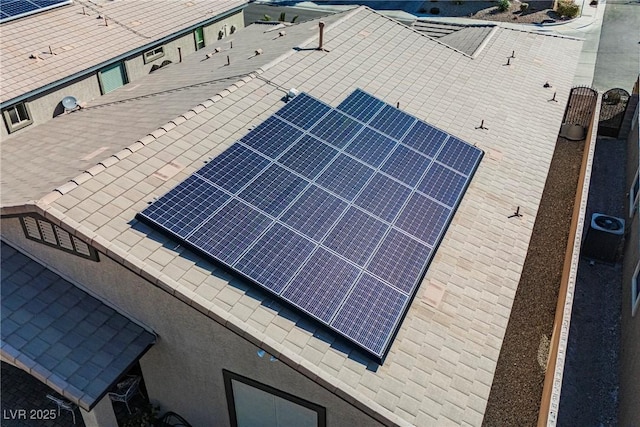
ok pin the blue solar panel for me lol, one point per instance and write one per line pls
(314, 212)
(308, 157)
(274, 259)
(443, 184)
(393, 122)
(406, 165)
(425, 138)
(371, 147)
(336, 129)
(424, 218)
(272, 137)
(345, 176)
(273, 190)
(414, 256)
(185, 207)
(303, 111)
(345, 236)
(226, 240)
(383, 197)
(13, 9)
(370, 313)
(322, 284)
(356, 235)
(234, 168)
(460, 156)
(361, 105)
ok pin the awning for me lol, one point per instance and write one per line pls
(63, 336)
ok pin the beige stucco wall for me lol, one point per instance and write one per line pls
(136, 68)
(630, 325)
(45, 106)
(183, 371)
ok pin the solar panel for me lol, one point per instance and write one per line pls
(371, 147)
(361, 105)
(322, 284)
(272, 137)
(308, 157)
(303, 111)
(393, 122)
(337, 212)
(326, 210)
(14, 9)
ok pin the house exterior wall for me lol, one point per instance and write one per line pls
(183, 370)
(630, 325)
(43, 107)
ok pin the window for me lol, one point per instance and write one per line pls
(635, 291)
(17, 117)
(633, 194)
(198, 34)
(38, 229)
(153, 54)
(251, 403)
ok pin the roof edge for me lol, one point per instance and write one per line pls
(219, 315)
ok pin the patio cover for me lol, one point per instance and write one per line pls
(61, 335)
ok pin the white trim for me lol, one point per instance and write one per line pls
(153, 54)
(21, 114)
(634, 192)
(635, 291)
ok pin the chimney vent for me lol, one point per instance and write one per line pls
(321, 26)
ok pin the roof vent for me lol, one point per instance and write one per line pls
(293, 92)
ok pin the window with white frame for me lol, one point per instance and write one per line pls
(633, 194)
(153, 54)
(635, 291)
(17, 117)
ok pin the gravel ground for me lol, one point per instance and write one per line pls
(539, 11)
(517, 385)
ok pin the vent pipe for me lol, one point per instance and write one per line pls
(321, 26)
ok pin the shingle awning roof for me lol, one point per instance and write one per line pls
(63, 336)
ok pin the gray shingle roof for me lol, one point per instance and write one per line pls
(441, 365)
(61, 335)
(80, 41)
(38, 159)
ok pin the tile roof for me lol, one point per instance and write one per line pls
(441, 365)
(42, 157)
(465, 38)
(61, 335)
(64, 41)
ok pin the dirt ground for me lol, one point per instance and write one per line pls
(539, 11)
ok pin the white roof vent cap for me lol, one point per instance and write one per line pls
(293, 92)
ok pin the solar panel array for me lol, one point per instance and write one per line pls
(14, 9)
(337, 211)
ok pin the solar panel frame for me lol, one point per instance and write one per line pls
(16, 9)
(279, 233)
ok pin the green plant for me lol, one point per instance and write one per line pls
(504, 5)
(143, 417)
(524, 7)
(266, 18)
(567, 8)
(294, 19)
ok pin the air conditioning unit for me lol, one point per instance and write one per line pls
(603, 237)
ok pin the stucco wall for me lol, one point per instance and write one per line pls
(630, 325)
(136, 68)
(183, 371)
(47, 105)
